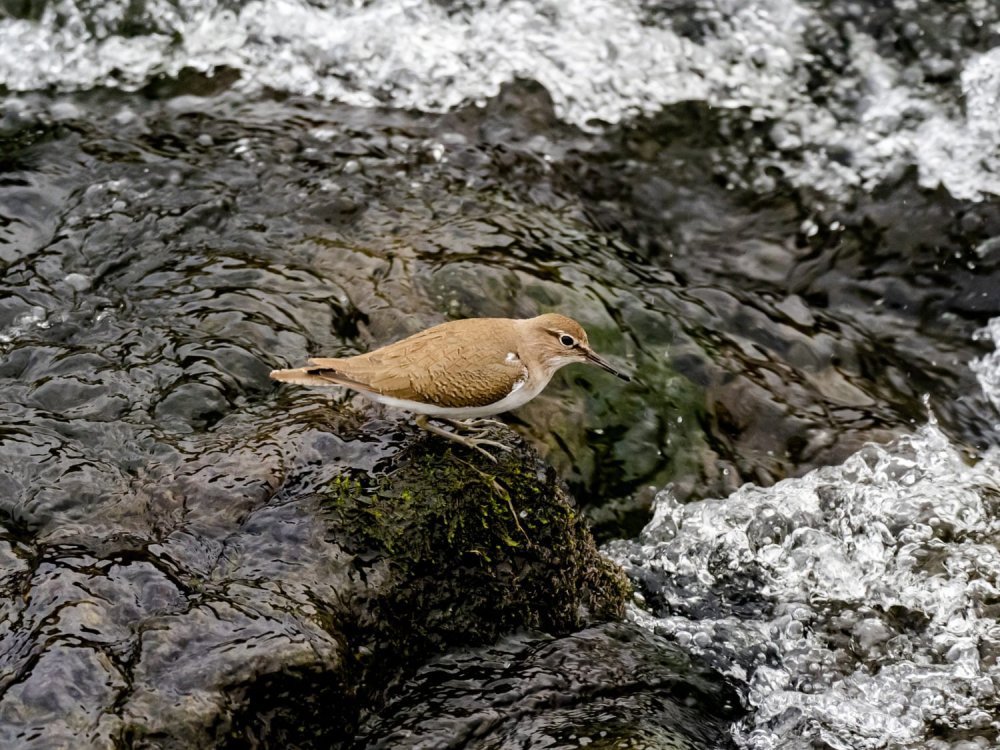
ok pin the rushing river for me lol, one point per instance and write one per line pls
(782, 216)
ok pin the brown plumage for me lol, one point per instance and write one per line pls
(472, 367)
(439, 366)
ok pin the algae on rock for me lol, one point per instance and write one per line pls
(433, 549)
(470, 552)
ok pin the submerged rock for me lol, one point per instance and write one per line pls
(289, 577)
(610, 686)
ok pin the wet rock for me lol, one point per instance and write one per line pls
(737, 311)
(607, 686)
(274, 574)
(438, 511)
(175, 520)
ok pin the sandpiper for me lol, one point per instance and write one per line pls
(461, 370)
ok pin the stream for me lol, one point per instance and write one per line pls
(783, 217)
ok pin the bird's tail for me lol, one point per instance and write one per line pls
(302, 376)
(325, 376)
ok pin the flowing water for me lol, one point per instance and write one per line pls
(782, 216)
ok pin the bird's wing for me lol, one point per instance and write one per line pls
(431, 367)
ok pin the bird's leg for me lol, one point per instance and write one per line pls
(476, 427)
(477, 424)
(473, 443)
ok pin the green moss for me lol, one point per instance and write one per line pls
(470, 549)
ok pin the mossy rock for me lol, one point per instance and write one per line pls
(467, 550)
(430, 547)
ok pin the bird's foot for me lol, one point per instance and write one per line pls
(475, 424)
(473, 442)
(476, 442)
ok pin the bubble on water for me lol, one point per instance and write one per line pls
(987, 367)
(873, 605)
(964, 154)
(78, 281)
(35, 317)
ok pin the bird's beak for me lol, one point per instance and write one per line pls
(601, 362)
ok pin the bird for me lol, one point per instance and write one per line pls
(461, 372)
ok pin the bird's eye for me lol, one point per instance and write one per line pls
(567, 340)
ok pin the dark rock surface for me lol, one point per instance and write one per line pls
(276, 602)
(609, 686)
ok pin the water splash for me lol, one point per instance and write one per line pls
(963, 154)
(857, 604)
(35, 317)
(987, 367)
(837, 104)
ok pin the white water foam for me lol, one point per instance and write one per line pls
(963, 153)
(987, 367)
(602, 61)
(857, 605)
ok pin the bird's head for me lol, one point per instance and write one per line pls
(559, 341)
